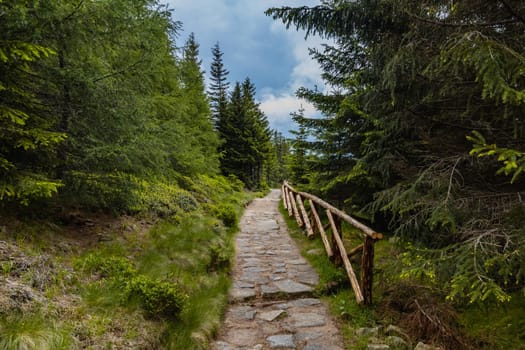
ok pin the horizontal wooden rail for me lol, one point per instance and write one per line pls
(293, 201)
(365, 229)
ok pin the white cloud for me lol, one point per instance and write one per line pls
(277, 109)
(254, 45)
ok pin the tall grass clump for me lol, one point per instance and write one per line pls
(32, 332)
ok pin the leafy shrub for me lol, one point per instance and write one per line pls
(163, 198)
(226, 213)
(219, 256)
(158, 298)
(111, 191)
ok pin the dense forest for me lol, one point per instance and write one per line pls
(99, 106)
(122, 176)
(423, 133)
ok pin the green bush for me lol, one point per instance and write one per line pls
(158, 298)
(220, 256)
(226, 213)
(110, 191)
(107, 267)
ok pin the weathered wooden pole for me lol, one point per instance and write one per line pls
(335, 224)
(346, 262)
(296, 211)
(321, 230)
(284, 196)
(290, 208)
(306, 220)
(367, 269)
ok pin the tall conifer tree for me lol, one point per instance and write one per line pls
(218, 89)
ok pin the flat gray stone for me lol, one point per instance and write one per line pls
(281, 341)
(305, 336)
(269, 316)
(310, 278)
(241, 284)
(291, 287)
(255, 269)
(252, 277)
(305, 302)
(396, 331)
(316, 251)
(242, 313)
(396, 342)
(370, 331)
(308, 319)
(267, 225)
(242, 294)
(297, 262)
(244, 337)
(269, 290)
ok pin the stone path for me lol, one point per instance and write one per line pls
(272, 304)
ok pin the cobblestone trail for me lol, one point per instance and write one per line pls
(272, 304)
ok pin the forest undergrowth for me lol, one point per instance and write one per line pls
(99, 281)
(415, 305)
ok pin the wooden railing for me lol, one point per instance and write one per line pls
(335, 248)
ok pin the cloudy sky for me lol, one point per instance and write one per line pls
(255, 46)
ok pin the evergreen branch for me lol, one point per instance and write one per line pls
(451, 178)
(75, 10)
(123, 70)
(461, 25)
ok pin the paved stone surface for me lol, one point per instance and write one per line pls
(272, 299)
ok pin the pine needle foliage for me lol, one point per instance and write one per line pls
(433, 96)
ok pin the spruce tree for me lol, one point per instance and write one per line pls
(218, 89)
(246, 136)
(414, 80)
(203, 153)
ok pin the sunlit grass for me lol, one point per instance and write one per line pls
(32, 332)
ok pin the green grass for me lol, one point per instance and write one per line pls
(34, 331)
(195, 252)
(104, 294)
(497, 326)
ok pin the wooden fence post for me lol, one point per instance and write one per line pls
(367, 269)
(284, 196)
(335, 248)
(306, 220)
(335, 224)
(290, 208)
(346, 262)
(296, 211)
(321, 230)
